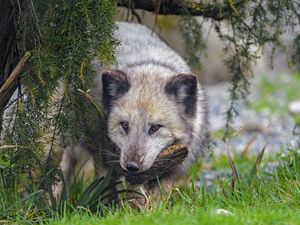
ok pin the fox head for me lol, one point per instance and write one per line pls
(147, 113)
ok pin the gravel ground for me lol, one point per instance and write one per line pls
(255, 130)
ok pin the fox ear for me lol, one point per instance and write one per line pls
(115, 84)
(183, 88)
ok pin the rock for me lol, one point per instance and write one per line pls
(294, 107)
(223, 212)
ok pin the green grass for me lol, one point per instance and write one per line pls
(268, 196)
(264, 193)
(263, 199)
(196, 215)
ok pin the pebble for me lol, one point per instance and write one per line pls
(294, 107)
(223, 212)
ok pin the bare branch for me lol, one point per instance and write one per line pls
(9, 83)
(177, 7)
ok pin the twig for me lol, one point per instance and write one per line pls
(36, 18)
(92, 100)
(13, 77)
(248, 146)
(135, 13)
(156, 14)
(137, 16)
(12, 146)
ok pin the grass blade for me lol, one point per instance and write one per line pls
(255, 169)
(235, 176)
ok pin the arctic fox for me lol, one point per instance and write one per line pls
(151, 100)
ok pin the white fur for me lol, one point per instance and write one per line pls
(138, 48)
(139, 44)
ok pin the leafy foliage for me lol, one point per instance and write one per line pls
(33, 204)
(194, 43)
(245, 27)
(64, 37)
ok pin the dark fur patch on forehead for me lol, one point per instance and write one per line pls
(184, 88)
(115, 84)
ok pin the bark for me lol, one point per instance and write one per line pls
(179, 7)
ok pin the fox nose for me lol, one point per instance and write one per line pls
(132, 167)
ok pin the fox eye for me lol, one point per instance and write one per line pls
(154, 128)
(125, 126)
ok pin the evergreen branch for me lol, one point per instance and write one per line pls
(55, 128)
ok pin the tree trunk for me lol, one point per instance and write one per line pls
(9, 54)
